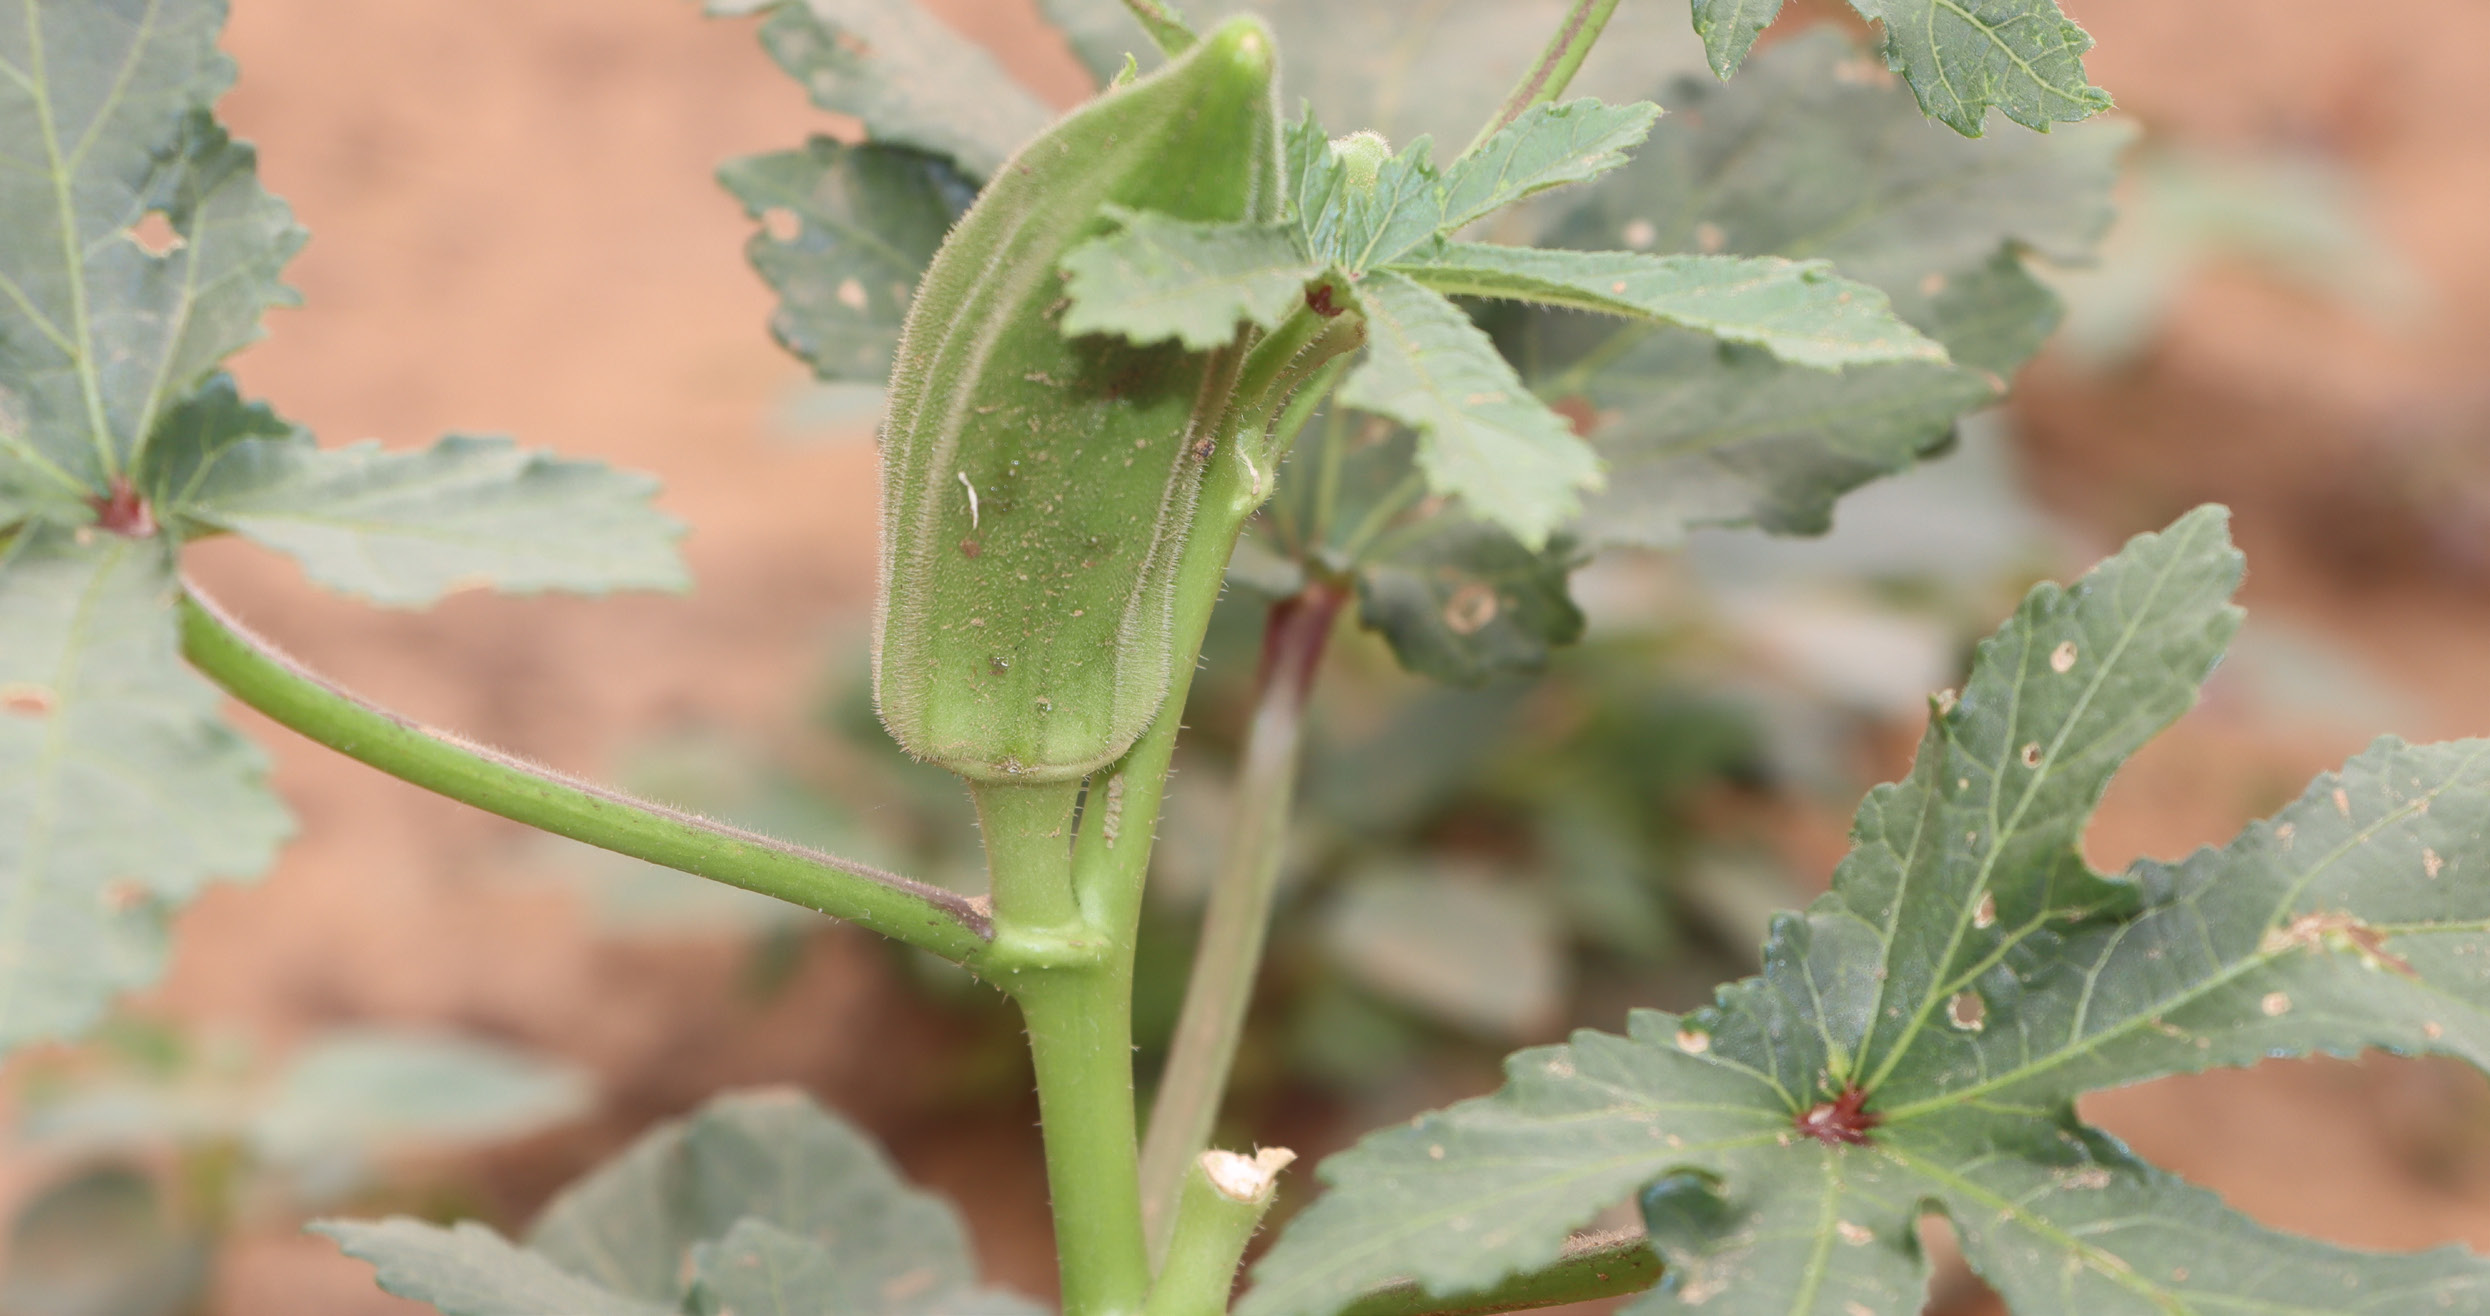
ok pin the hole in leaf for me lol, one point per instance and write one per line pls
(26, 700)
(781, 224)
(154, 234)
(1967, 1011)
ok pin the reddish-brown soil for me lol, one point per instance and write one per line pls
(516, 231)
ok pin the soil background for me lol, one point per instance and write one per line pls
(515, 231)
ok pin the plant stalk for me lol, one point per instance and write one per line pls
(943, 922)
(1224, 968)
(1547, 76)
(1080, 1041)
(1225, 1196)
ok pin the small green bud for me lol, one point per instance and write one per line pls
(1361, 154)
(1037, 490)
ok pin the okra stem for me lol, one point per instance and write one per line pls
(1224, 968)
(1225, 1196)
(945, 923)
(1547, 76)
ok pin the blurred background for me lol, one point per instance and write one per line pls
(515, 230)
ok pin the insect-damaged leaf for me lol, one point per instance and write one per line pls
(703, 1216)
(1962, 57)
(1919, 1035)
(908, 77)
(845, 232)
(120, 792)
(137, 248)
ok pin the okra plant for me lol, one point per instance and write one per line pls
(1120, 343)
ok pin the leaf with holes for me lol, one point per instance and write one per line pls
(121, 794)
(137, 248)
(910, 79)
(2024, 58)
(1918, 1037)
(759, 1203)
(845, 233)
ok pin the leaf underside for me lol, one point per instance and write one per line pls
(761, 1203)
(1970, 976)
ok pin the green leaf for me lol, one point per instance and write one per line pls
(911, 79)
(705, 1212)
(759, 1269)
(1158, 278)
(1482, 436)
(405, 528)
(1464, 602)
(1965, 980)
(1961, 57)
(1547, 145)
(468, 1270)
(1354, 227)
(771, 1156)
(846, 231)
(1803, 157)
(105, 151)
(121, 794)
(1964, 57)
(1798, 311)
(1810, 154)
(1729, 29)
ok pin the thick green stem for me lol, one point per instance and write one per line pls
(1080, 1038)
(940, 921)
(1225, 1196)
(1548, 75)
(1230, 956)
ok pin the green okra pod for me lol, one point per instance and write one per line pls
(1036, 489)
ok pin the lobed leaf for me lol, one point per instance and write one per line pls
(846, 232)
(121, 794)
(1482, 436)
(137, 248)
(468, 1270)
(1798, 311)
(405, 528)
(1548, 145)
(703, 1215)
(1158, 278)
(1962, 58)
(1807, 157)
(911, 80)
(1966, 979)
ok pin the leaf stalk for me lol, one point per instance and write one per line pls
(948, 924)
(1548, 75)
